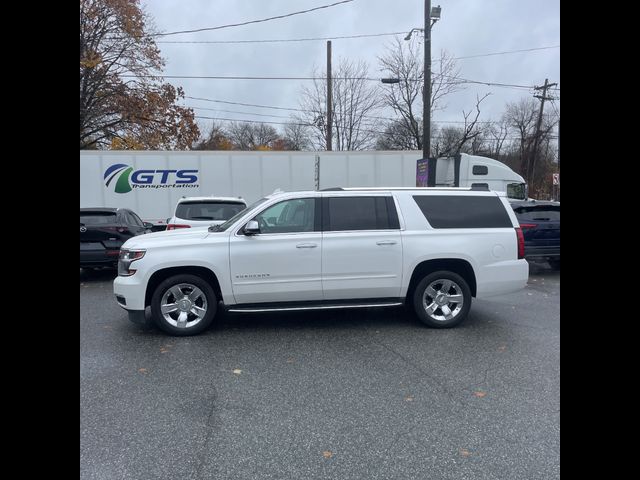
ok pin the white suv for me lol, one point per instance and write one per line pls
(432, 249)
(204, 211)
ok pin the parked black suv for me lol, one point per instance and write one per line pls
(102, 233)
(540, 223)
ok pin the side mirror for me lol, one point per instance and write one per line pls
(252, 228)
(148, 225)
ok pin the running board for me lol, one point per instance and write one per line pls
(310, 306)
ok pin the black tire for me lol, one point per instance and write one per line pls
(554, 264)
(459, 287)
(186, 279)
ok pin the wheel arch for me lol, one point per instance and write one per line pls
(160, 275)
(457, 265)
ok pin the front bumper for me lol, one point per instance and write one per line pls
(132, 290)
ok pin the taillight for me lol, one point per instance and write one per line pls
(175, 226)
(528, 225)
(520, 237)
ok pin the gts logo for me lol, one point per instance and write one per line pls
(253, 275)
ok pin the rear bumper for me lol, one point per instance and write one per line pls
(533, 251)
(502, 277)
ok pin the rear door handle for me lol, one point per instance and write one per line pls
(386, 242)
(306, 245)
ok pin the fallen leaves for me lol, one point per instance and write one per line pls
(289, 360)
(327, 454)
(143, 371)
(408, 398)
(480, 394)
(237, 371)
(502, 348)
(464, 452)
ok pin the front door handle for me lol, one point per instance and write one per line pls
(386, 242)
(306, 245)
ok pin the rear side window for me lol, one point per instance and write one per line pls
(208, 210)
(463, 211)
(359, 213)
(98, 218)
(540, 213)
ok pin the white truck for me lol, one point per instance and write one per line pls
(433, 249)
(151, 182)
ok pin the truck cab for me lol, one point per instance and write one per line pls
(463, 170)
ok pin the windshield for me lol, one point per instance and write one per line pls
(232, 220)
(517, 190)
(208, 210)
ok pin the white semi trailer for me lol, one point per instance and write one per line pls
(151, 182)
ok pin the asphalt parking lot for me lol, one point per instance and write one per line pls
(368, 394)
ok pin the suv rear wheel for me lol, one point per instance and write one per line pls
(183, 305)
(442, 299)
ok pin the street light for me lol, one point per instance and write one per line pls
(431, 16)
(408, 37)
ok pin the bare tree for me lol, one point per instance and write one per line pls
(248, 136)
(403, 60)
(495, 135)
(216, 139)
(459, 139)
(296, 136)
(522, 117)
(354, 100)
(397, 136)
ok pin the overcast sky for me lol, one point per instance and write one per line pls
(467, 27)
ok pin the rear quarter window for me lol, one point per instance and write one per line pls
(449, 211)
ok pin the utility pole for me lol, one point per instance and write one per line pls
(536, 140)
(426, 91)
(329, 98)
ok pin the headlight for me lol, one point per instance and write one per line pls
(126, 258)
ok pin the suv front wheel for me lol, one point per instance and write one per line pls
(183, 305)
(442, 299)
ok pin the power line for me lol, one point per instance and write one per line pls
(251, 21)
(312, 125)
(341, 37)
(236, 111)
(245, 104)
(506, 52)
(228, 102)
(233, 77)
(281, 40)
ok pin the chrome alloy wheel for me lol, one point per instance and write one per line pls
(183, 305)
(442, 300)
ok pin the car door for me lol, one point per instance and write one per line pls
(361, 247)
(281, 263)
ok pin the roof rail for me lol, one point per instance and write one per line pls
(332, 189)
